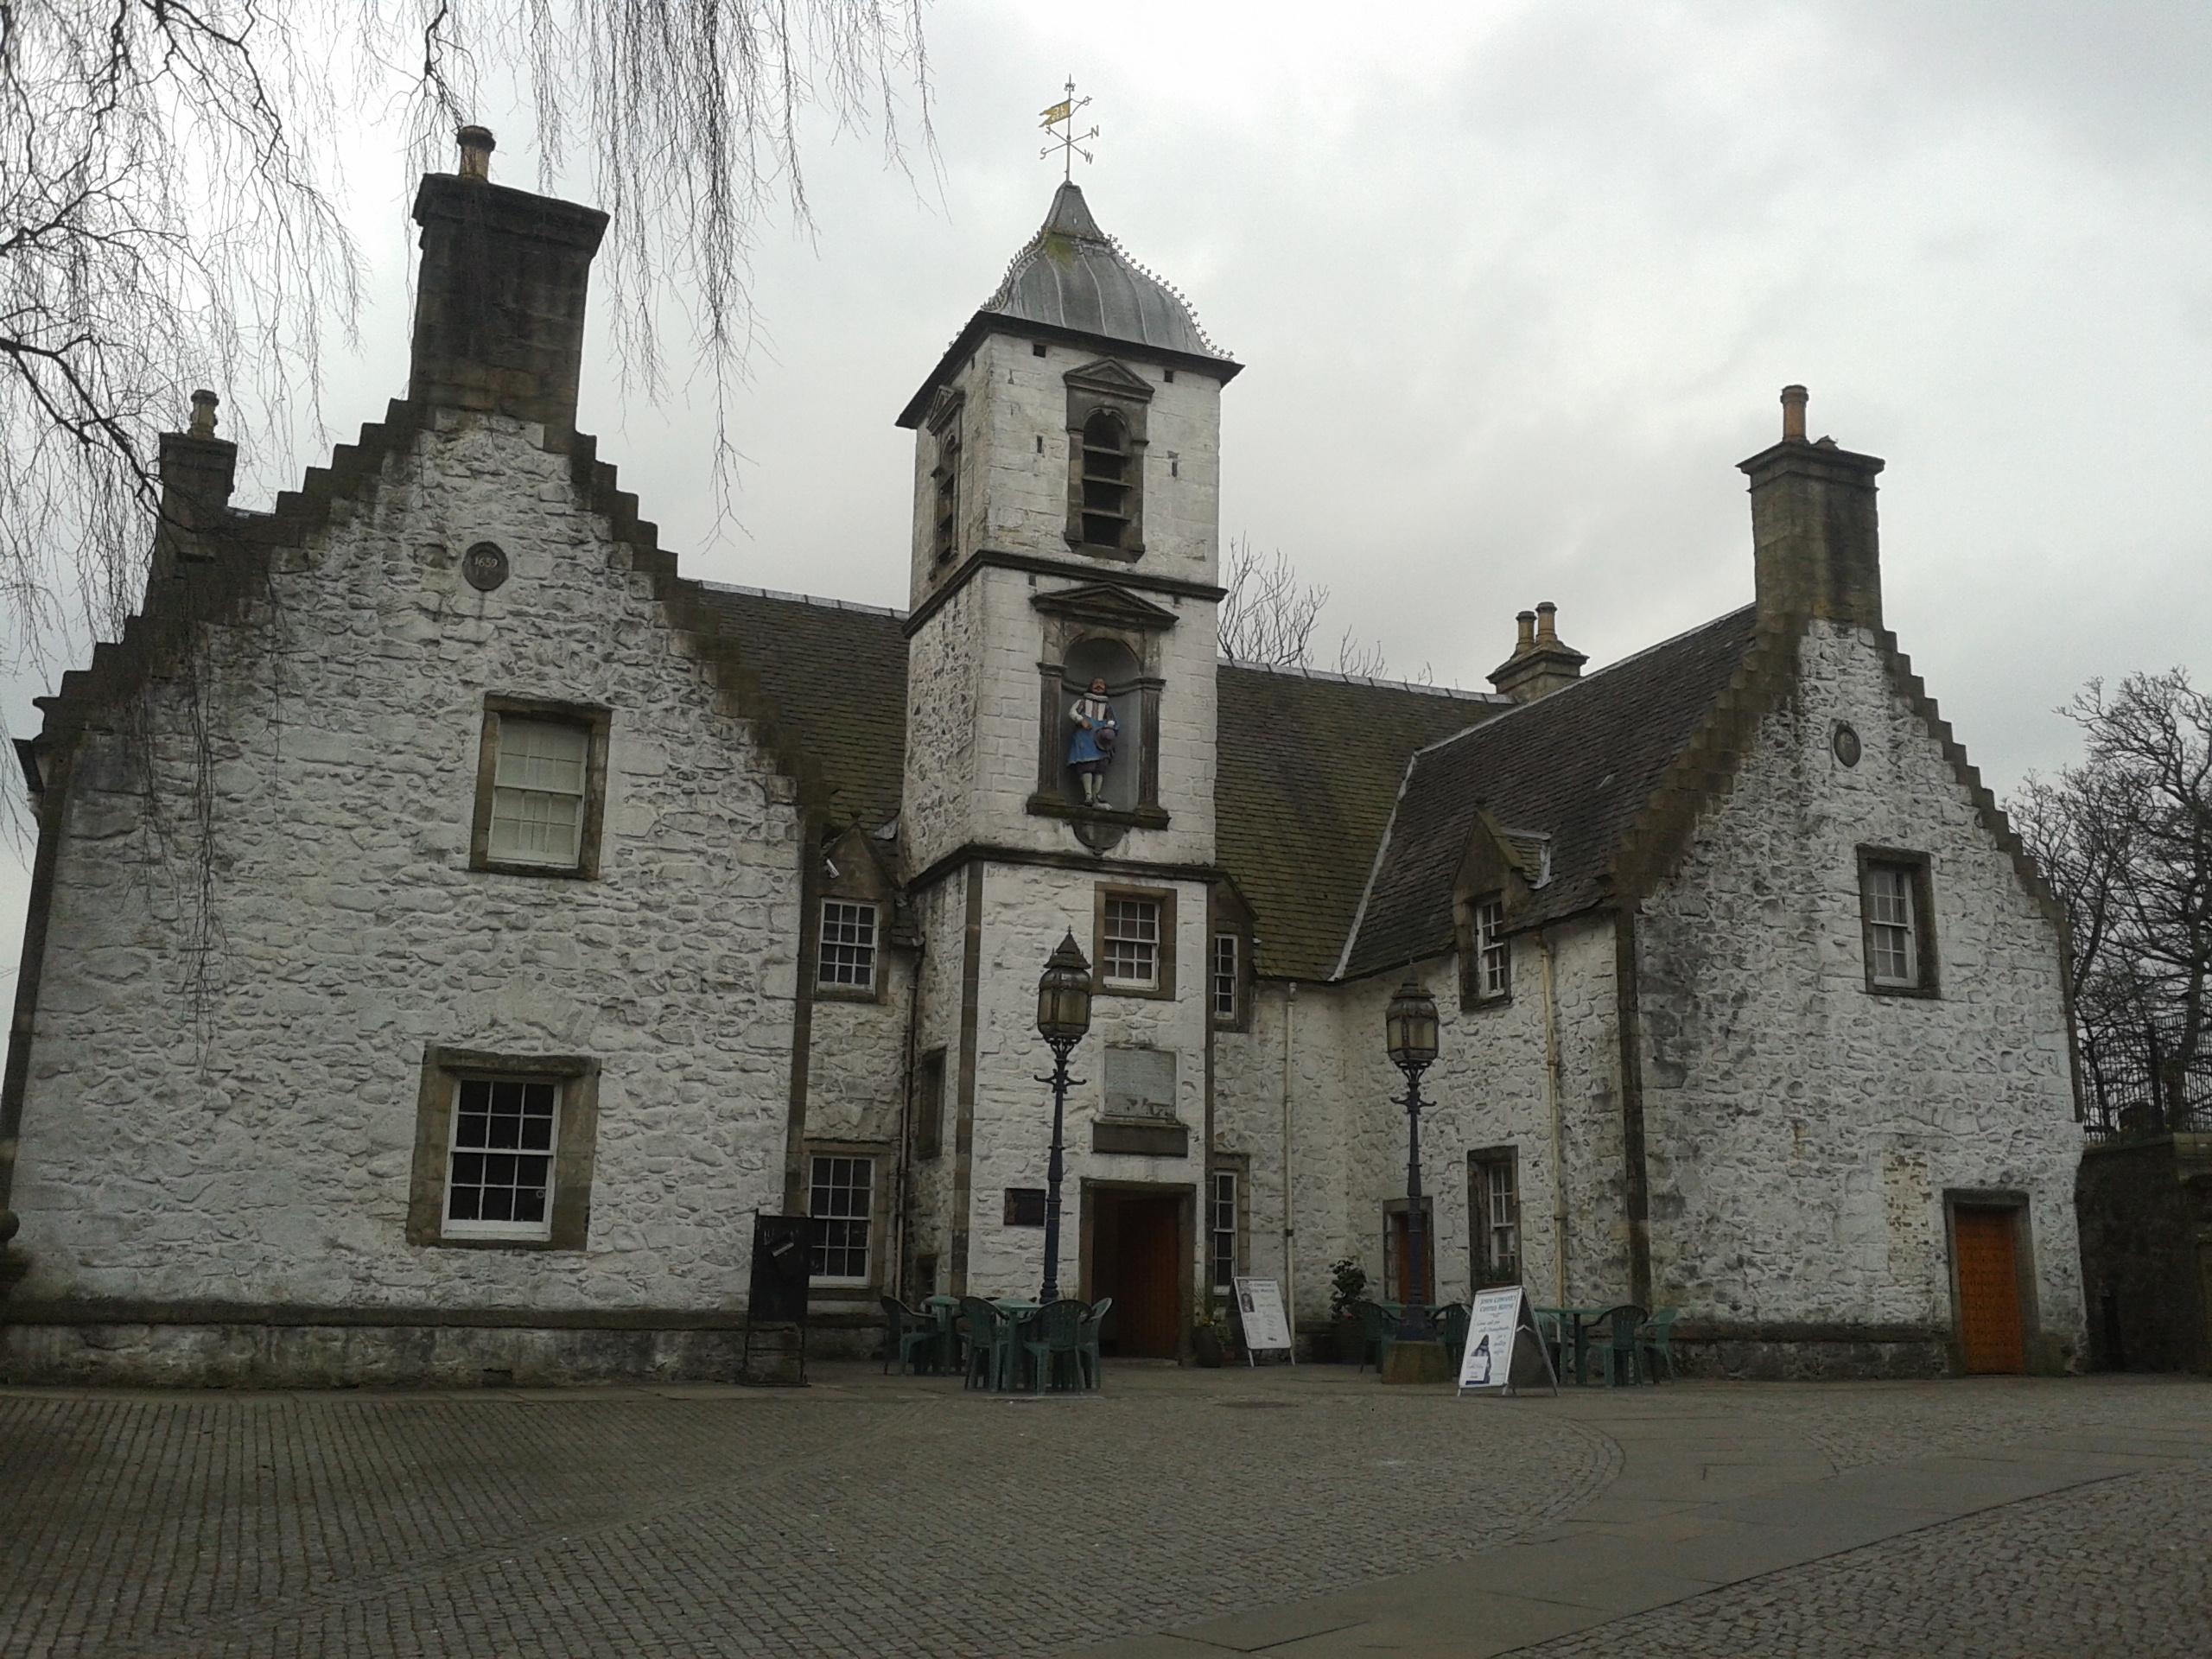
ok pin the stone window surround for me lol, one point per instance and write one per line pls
(1105, 385)
(1235, 1017)
(1164, 988)
(830, 991)
(1226, 913)
(929, 1103)
(575, 1142)
(2024, 1260)
(1480, 1161)
(879, 1216)
(597, 720)
(1920, 871)
(945, 477)
(1239, 1166)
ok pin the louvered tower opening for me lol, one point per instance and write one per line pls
(1106, 481)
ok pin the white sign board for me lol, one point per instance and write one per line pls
(1259, 1315)
(1492, 1324)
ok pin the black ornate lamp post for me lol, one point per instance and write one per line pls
(1063, 1016)
(1409, 1027)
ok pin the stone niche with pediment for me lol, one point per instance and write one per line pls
(1104, 631)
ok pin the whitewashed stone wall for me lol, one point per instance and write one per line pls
(1801, 1132)
(944, 709)
(1488, 1089)
(940, 914)
(857, 1070)
(1027, 911)
(345, 721)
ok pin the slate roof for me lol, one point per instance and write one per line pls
(1577, 765)
(835, 674)
(1309, 764)
(1307, 771)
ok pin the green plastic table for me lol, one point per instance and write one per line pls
(1574, 1324)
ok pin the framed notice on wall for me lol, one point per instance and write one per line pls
(1261, 1317)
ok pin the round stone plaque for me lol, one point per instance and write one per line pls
(1845, 743)
(485, 565)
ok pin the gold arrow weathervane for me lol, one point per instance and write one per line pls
(1069, 144)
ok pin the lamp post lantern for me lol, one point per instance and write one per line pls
(1409, 1030)
(1062, 1017)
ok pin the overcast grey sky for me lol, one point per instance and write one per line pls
(1517, 286)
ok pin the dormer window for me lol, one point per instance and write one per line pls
(1107, 486)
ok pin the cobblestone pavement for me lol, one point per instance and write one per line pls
(876, 1515)
(866, 1515)
(2120, 1568)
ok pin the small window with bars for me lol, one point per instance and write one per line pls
(1493, 950)
(1131, 954)
(846, 953)
(499, 1159)
(1893, 907)
(841, 1203)
(1222, 982)
(1107, 479)
(1495, 1179)
(540, 781)
(1221, 1228)
(945, 535)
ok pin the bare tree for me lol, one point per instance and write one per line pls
(167, 191)
(2125, 838)
(1268, 616)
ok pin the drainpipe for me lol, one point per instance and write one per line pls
(1559, 1125)
(1289, 1228)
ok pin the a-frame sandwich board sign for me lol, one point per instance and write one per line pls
(1495, 1325)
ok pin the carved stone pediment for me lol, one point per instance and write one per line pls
(1103, 605)
(1110, 379)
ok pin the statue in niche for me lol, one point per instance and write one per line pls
(1090, 747)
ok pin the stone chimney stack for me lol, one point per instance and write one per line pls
(198, 471)
(1812, 531)
(1541, 662)
(499, 307)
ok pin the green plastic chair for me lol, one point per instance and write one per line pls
(1051, 1335)
(1616, 1353)
(1651, 1341)
(1376, 1334)
(1087, 1339)
(989, 1336)
(1451, 1328)
(907, 1332)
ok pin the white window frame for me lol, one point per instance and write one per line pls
(851, 952)
(1133, 915)
(1893, 937)
(513, 794)
(538, 1231)
(1500, 1174)
(866, 1218)
(1493, 952)
(1224, 1181)
(1222, 971)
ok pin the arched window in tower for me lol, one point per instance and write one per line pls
(945, 533)
(1109, 481)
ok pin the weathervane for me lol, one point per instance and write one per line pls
(1069, 144)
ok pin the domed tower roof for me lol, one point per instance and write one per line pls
(1073, 282)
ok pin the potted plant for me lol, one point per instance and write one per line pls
(1347, 1289)
(1209, 1335)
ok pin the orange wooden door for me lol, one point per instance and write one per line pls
(1399, 1284)
(1989, 1290)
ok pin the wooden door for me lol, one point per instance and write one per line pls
(1149, 1275)
(1989, 1289)
(1397, 1287)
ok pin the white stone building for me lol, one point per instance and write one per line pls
(451, 924)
